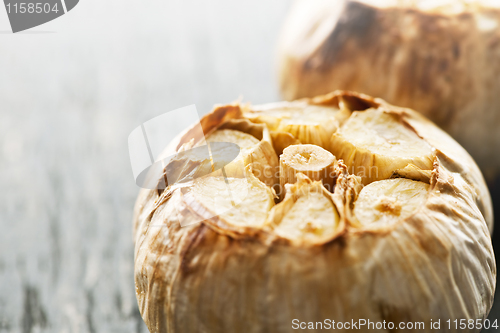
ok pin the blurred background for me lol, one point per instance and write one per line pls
(70, 93)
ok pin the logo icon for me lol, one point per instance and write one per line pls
(26, 14)
(163, 156)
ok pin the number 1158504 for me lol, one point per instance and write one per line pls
(31, 8)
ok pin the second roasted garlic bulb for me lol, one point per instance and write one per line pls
(438, 57)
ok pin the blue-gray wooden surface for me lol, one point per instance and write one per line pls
(70, 93)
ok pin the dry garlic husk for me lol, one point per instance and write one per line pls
(439, 57)
(411, 245)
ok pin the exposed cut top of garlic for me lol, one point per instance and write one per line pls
(383, 203)
(239, 201)
(312, 217)
(374, 144)
(383, 134)
(243, 140)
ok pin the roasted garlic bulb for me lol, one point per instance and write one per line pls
(410, 242)
(439, 57)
